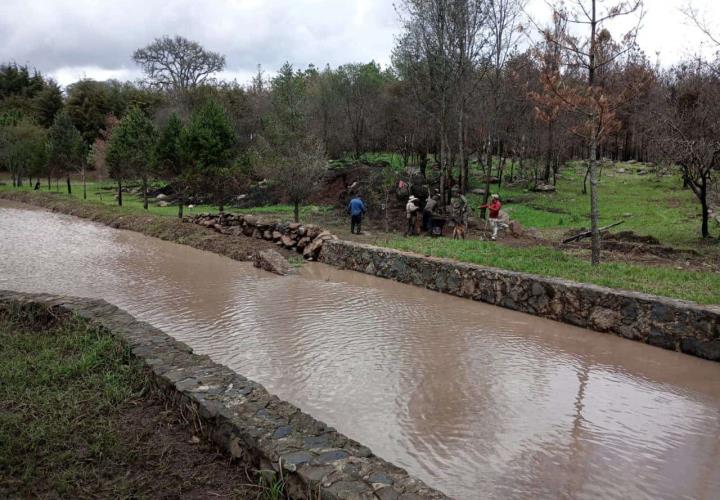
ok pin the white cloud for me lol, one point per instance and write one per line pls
(73, 38)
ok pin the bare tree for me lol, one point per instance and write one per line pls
(176, 63)
(442, 40)
(688, 132)
(295, 169)
(595, 107)
(504, 24)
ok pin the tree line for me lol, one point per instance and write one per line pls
(474, 86)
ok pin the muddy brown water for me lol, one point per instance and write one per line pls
(478, 401)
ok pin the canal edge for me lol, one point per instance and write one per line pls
(242, 417)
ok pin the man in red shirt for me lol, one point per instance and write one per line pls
(494, 217)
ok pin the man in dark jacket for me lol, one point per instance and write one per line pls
(356, 209)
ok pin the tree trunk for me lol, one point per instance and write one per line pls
(120, 192)
(296, 211)
(461, 152)
(704, 203)
(144, 188)
(68, 185)
(548, 157)
(594, 214)
(180, 209)
(84, 179)
(488, 174)
(49, 182)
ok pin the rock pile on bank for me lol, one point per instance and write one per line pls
(306, 239)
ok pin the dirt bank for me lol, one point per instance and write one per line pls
(165, 228)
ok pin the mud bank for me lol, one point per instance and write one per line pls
(243, 418)
(236, 247)
(671, 324)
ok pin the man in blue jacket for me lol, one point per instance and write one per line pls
(356, 209)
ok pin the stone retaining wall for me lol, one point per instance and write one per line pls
(668, 323)
(243, 418)
(306, 239)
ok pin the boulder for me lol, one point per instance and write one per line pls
(267, 235)
(161, 196)
(294, 226)
(272, 261)
(276, 235)
(162, 203)
(312, 231)
(516, 228)
(250, 220)
(478, 191)
(303, 242)
(544, 188)
(287, 241)
(312, 250)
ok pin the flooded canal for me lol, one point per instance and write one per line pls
(478, 401)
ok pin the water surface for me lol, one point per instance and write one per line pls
(478, 401)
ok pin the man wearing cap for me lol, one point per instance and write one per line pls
(411, 210)
(494, 217)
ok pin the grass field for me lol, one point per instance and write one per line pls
(649, 205)
(104, 193)
(78, 419)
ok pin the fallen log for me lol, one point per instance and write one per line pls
(587, 234)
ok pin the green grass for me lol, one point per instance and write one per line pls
(657, 207)
(103, 193)
(60, 387)
(701, 287)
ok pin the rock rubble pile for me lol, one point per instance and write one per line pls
(306, 239)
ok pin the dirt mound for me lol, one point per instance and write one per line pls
(631, 237)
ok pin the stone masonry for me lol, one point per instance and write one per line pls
(305, 239)
(671, 324)
(243, 418)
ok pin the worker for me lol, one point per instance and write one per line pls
(411, 211)
(494, 216)
(428, 213)
(460, 213)
(356, 209)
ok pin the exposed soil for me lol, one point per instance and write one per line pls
(171, 461)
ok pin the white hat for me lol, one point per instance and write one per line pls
(412, 198)
(495, 196)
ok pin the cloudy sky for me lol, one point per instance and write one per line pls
(71, 39)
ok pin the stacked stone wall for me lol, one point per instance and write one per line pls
(672, 324)
(306, 239)
(243, 418)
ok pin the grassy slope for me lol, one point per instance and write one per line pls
(701, 287)
(60, 388)
(78, 419)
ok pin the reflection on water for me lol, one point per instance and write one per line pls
(476, 400)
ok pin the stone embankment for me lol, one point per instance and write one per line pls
(315, 461)
(306, 239)
(672, 324)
